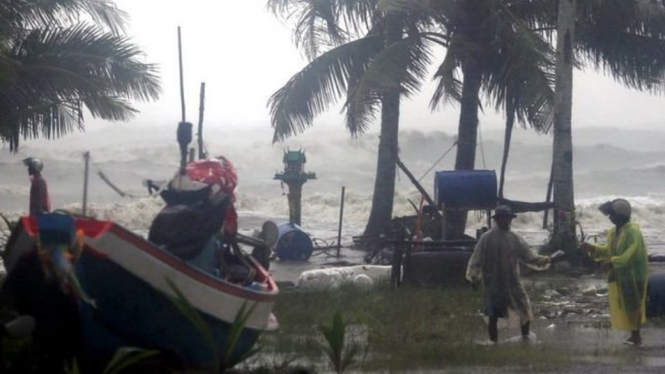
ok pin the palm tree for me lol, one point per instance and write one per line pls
(470, 31)
(625, 38)
(493, 45)
(524, 89)
(54, 67)
(562, 149)
(378, 59)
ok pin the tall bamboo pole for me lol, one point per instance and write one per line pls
(182, 80)
(182, 126)
(201, 110)
(86, 157)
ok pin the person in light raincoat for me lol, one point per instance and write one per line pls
(624, 256)
(495, 265)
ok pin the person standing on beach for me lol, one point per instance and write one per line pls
(495, 265)
(624, 257)
(39, 199)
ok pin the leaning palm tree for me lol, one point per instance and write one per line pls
(54, 68)
(375, 61)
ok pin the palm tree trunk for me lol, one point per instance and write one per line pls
(384, 184)
(562, 154)
(510, 122)
(466, 141)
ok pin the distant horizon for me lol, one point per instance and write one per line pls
(105, 132)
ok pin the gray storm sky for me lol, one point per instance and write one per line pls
(244, 54)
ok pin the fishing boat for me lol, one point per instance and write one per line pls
(116, 288)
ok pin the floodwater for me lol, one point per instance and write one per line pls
(570, 318)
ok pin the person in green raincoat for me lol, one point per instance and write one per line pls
(624, 256)
(495, 265)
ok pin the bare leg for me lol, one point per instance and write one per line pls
(493, 329)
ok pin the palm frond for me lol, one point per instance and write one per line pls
(401, 67)
(448, 82)
(625, 39)
(405, 6)
(19, 15)
(109, 108)
(359, 16)
(316, 24)
(56, 70)
(319, 85)
(105, 13)
(522, 72)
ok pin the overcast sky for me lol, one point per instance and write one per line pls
(244, 54)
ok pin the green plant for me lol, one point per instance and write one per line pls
(239, 323)
(123, 358)
(186, 308)
(340, 356)
(228, 359)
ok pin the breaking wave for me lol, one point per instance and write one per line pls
(126, 157)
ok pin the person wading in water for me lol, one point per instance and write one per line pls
(495, 265)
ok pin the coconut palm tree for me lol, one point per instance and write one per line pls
(469, 31)
(374, 62)
(562, 150)
(491, 47)
(624, 38)
(55, 67)
(524, 89)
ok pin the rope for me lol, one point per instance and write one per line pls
(482, 149)
(117, 189)
(439, 160)
(110, 184)
(326, 247)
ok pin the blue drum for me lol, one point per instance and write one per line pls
(293, 244)
(466, 189)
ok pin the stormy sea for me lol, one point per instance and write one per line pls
(608, 163)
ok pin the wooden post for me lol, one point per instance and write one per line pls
(182, 84)
(396, 269)
(202, 98)
(339, 228)
(443, 221)
(415, 183)
(86, 157)
(184, 129)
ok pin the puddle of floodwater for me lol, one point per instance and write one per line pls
(653, 361)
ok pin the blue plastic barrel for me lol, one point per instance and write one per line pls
(656, 296)
(293, 244)
(465, 189)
